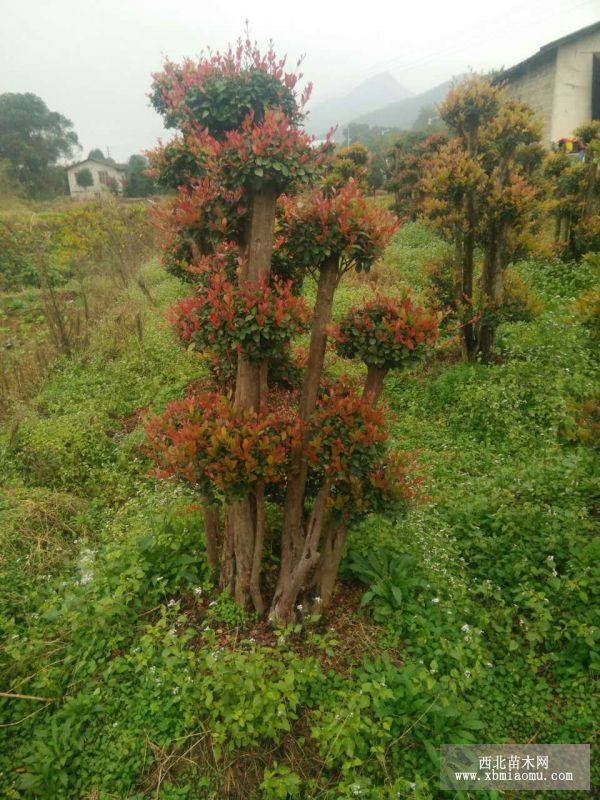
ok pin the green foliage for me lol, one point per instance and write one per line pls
(84, 178)
(59, 245)
(138, 182)
(479, 616)
(222, 91)
(389, 576)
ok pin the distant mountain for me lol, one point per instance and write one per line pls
(381, 90)
(403, 114)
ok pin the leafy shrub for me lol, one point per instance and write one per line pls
(519, 302)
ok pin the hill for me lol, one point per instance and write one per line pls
(380, 90)
(403, 113)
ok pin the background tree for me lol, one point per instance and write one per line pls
(408, 158)
(138, 182)
(482, 190)
(429, 122)
(97, 154)
(575, 197)
(348, 163)
(32, 140)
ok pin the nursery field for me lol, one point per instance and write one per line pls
(471, 618)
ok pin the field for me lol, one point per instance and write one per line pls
(470, 619)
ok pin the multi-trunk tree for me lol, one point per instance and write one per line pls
(482, 190)
(245, 229)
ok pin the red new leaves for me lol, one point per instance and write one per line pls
(274, 152)
(343, 223)
(199, 220)
(347, 446)
(345, 435)
(387, 332)
(216, 448)
(257, 321)
(219, 91)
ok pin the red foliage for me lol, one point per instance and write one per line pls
(345, 434)
(214, 447)
(255, 320)
(176, 80)
(387, 332)
(343, 223)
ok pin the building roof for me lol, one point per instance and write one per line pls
(103, 162)
(545, 52)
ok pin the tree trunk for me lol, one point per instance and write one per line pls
(328, 279)
(250, 385)
(287, 591)
(492, 293)
(374, 383)
(332, 551)
(468, 328)
(242, 519)
(227, 570)
(210, 515)
(292, 537)
(259, 540)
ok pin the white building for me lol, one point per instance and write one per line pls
(105, 176)
(561, 82)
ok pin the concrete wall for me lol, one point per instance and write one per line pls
(536, 87)
(573, 85)
(98, 187)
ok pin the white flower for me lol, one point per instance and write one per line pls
(212, 603)
(467, 673)
(435, 600)
(172, 632)
(299, 606)
(550, 558)
(465, 628)
(317, 600)
(198, 590)
(171, 603)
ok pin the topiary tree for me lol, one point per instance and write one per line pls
(84, 178)
(321, 450)
(482, 191)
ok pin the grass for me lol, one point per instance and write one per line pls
(156, 689)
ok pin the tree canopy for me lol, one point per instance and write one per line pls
(32, 140)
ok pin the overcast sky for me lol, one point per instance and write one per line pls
(92, 61)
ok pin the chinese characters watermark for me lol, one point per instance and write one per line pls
(515, 766)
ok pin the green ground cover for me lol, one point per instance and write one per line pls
(472, 618)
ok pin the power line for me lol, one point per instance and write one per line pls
(497, 31)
